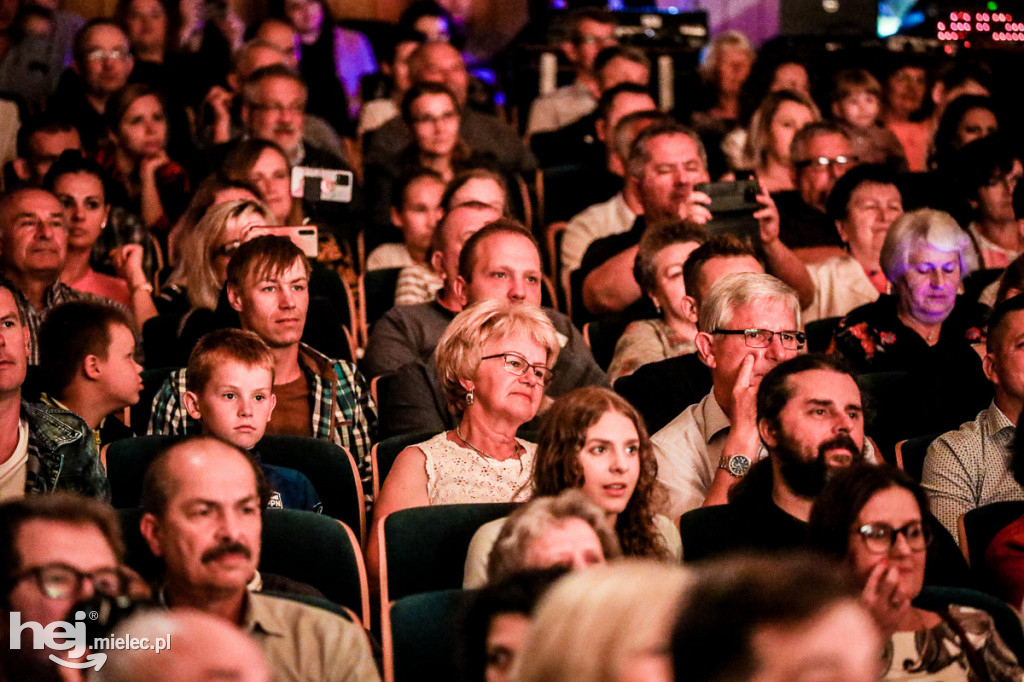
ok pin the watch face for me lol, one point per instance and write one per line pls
(738, 465)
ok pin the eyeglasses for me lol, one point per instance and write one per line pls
(821, 163)
(879, 538)
(60, 581)
(227, 250)
(99, 54)
(517, 365)
(762, 338)
(595, 40)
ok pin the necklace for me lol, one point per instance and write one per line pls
(478, 450)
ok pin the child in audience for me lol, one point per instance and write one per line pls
(416, 211)
(857, 105)
(229, 382)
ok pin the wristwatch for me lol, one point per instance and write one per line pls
(737, 465)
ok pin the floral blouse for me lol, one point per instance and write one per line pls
(873, 339)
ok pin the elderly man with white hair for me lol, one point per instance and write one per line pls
(748, 324)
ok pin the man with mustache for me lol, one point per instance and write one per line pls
(810, 418)
(201, 501)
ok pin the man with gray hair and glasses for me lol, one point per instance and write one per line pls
(748, 324)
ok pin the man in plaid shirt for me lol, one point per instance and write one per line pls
(267, 284)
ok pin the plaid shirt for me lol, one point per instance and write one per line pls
(343, 409)
(57, 293)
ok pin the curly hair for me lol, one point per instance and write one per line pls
(557, 464)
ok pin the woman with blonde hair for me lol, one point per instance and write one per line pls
(608, 624)
(494, 362)
(772, 128)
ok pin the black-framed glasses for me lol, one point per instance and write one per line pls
(762, 338)
(880, 537)
(60, 581)
(517, 365)
(824, 162)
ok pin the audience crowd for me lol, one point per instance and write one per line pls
(301, 333)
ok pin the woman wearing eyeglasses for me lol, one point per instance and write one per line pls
(875, 519)
(494, 362)
(922, 325)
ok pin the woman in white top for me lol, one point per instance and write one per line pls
(864, 203)
(493, 362)
(594, 440)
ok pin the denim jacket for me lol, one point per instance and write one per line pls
(62, 454)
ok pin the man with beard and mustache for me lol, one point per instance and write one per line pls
(810, 417)
(201, 501)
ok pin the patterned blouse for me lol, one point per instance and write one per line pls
(458, 475)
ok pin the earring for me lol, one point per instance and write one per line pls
(470, 398)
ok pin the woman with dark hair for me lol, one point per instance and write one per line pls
(80, 185)
(965, 119)
(146, 180)
(875, 519)
(265, 166)
(594, 440)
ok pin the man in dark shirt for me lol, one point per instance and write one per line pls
(811, 420)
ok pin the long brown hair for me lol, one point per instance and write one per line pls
(557, 466)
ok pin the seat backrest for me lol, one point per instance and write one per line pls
(819, 333)
(911, 453)
(421, 634)
(661, 390)
(378, 293)
(603, 335)
(329, 467)
(384, 454)
(1006, 620)
(424, 548)
(302, 546)
(981, 525)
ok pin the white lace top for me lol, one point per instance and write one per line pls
(458, 475)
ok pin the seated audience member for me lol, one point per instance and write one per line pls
(748, 324)
(43, 449)
(274, 108)
(495, 623)
(661, 390)
(875, 519)
(588, 31)
(102, 63)
(33, 251)
(578, 143)
(318, 397)
(230, 392)
(432, 114)
(477, 186)
(209, 559)
(593, 440)
(394, 66)
(433, 287)
(821, 153)
(772, 127)
(989, 172)
(264, 166)
(41, 140)
(856, 100)
(79, 184)
(923, 325)
(605, 273)
(485, 135)
(145, 179)
(975, 465)
(774, 619)
(57, 550)
(205, 647)
(618, 213)
(965, 119)
(217, 188)
(87, 354)
(610, 623)
(905, 88)
(202, 270)
(494, 362)
(658, 269)
(568, 531)
(769, 508)
(332, 59)
(415, 210)
(863, 204)
(501, 262)
(724, 69)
